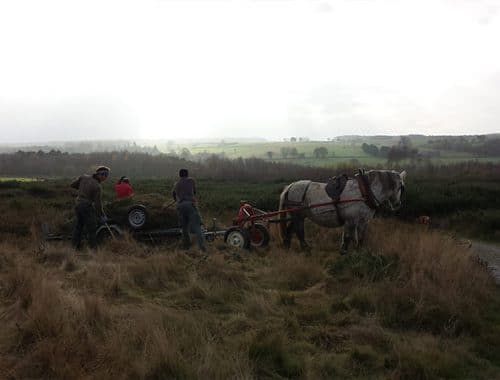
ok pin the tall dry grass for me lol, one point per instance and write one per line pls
(438, 284)
(412, 304)
(104, 319)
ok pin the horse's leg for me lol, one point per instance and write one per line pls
(347, 237)
(290, 228)
(300, 231)
(361, 233)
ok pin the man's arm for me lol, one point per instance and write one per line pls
(76, 183)
(130, 191)
(194, 193)
(174, 194)
(98, 202)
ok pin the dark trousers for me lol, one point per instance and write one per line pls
(190, 221)
(85, 222)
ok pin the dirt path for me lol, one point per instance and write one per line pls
(489, 253)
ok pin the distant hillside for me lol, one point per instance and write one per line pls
(352, 150)
(133, 145)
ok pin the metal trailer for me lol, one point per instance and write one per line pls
(246, 232)
(108, 231)
(136, 225)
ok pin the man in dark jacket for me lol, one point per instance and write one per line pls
(88, 205)
(184, 193)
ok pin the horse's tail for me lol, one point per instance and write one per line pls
(283, 217)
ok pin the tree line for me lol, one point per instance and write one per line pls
(144, 165)
(479, 145)
(398, 152)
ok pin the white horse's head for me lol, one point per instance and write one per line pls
(392, 186)
(397, 189)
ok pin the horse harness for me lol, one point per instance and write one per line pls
(366, 191)
(334, 188)
(301, 202)
(370, 198)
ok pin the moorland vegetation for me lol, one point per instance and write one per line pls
(414, 303)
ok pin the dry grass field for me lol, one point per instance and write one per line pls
(414, 305)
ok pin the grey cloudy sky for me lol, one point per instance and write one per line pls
(148, 69)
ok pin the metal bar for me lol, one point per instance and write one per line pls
(214, 233)
(296, 209)
(109, 230)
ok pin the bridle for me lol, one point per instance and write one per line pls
(370, 198)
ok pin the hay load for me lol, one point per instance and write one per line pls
(148, 211)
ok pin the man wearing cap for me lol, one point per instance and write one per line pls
(184, 193)
(88, 205)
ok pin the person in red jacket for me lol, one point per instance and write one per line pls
(123, 188)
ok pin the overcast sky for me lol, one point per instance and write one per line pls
(73, 70)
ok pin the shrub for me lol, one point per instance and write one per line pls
(364, 265)
(297, 272)
(269, 353)
(9, 184)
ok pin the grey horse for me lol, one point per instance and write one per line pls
(357, 204)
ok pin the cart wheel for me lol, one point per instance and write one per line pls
(259, 235)
(237, 238)
(137, 217)
(104, 235)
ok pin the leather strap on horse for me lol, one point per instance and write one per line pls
(339, 217)
(334, 188)
(366, 191)
(295, 203)
(305, 192)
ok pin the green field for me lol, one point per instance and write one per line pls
(259, 150)
(339, 152)
(19, 179)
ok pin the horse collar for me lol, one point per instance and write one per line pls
(366, 191)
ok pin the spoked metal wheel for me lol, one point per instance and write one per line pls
(259, 235)
(108, 233)
(237, 238)
(137, 217)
